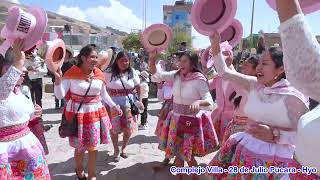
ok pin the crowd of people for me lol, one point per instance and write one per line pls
(252, 119)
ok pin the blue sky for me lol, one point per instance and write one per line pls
(127, 14)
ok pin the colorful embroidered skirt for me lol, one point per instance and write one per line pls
(93, 128)
(241, 149)
(126, 122)
(37, 129)
(221, 122)
(23, 158)
(234, 126)
(162, 116)
(188, 136)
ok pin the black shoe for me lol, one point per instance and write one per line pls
(57, 107)
(47, 128)
(80, 178)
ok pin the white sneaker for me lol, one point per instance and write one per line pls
(143, 127)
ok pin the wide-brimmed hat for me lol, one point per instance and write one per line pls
(55, 52)
(144, 75)
(156, 37)
(28, 25)
(206, 57)
(210, 15)
(307, 6)
(233, 33)
(104, 59)
(306, 141)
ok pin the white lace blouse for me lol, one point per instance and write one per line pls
(14, 108)
(301, 56)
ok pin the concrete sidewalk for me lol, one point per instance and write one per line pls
(142, 150)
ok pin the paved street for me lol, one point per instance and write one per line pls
(143, 151)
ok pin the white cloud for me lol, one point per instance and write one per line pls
(199, 40)
(116, 16)
(73, 12)
(15, 1)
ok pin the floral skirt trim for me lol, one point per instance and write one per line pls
(199, 142)
(162, 116)
(232, 128)
(126, 122)
(24, 164)
(90, 135)
(233, 154)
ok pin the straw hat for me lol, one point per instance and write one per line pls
(156, 37)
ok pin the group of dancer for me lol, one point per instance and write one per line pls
(258, 110)
(253, 124)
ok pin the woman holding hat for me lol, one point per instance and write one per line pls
(191, 132)
(121, 81)
(223, 88)
(93, 121)
(274, 108)
(21, 154)
(165, 93)
(302, 65)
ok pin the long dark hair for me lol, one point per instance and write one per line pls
(194, 61)
(254, 60)
(85, 51)
(115, 70)
(277, 57)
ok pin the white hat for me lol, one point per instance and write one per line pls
(308, 134)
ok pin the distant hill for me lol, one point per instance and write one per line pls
(55, 19)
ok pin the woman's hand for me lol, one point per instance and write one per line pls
(116, 110)
(195, 107)
(58, 77)
(215, 43)
(19, 56)
(260, 131)
(38, 111)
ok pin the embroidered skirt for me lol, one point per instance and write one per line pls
(241, 149)
(187, 135)
(93, 126)
(126, 122)
(222, 119)
(235, 125)
(22, 157)
(162, 116)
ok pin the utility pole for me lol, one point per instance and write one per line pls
(252, 16)
(144, 14)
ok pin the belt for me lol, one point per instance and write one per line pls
(14, 132)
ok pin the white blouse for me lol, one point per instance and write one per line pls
(14, 108)
(301, 56)
(186, 92)
(80, 87)
(128, 83)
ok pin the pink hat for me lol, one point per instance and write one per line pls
(207, 15)
(104, 59)
(206, 58)
(156, 37)
(55, 53)
(233, 33)
(25, 25)
(307, 6)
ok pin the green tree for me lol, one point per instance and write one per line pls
(132, 42)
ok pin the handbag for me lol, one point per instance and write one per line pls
(69, 128)
(133, 107)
